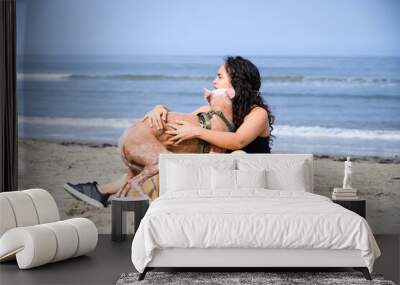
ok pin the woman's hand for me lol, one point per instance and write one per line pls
(182, 131)
(157, 116)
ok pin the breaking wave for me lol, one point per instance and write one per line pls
(279, 130)
(289, 79)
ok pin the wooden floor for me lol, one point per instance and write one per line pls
(111, 259)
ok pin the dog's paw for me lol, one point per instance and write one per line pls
(136, 190)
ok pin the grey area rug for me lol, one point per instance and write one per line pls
(275, 278)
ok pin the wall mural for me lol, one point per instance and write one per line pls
(74, 108)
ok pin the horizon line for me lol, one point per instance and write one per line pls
(203, 55)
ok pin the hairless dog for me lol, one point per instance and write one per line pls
(140, 145)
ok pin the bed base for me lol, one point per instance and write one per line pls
(244, 259)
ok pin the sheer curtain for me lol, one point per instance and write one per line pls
(8, 100)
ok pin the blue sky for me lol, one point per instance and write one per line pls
(209, 27)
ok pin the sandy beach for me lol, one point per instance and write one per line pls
(49, 164)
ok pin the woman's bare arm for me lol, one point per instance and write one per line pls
(254, 124)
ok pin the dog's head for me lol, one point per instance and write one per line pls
(219, 96)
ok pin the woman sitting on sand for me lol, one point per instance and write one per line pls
(250, 114)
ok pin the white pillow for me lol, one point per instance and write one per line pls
(181, 177)
(291, 178)
(225, 179)
(251, 178)
(282, 174)
(189, 175)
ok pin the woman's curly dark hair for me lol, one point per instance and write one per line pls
(246, 80)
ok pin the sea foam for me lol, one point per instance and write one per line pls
(279, 130)
(43, 76)
(281, 80)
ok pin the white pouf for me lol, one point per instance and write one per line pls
(31, 232)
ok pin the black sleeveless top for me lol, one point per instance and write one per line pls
(259, 145)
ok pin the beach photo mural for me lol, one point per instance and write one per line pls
(88, 70)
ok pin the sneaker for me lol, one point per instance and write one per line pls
(88, 192)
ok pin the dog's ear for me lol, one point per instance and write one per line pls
(230, 93)
(207, 95)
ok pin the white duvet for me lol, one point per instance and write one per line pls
(253, 218)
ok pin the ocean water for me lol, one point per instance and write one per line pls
(323, 105)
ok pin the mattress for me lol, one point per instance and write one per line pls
(250, 219)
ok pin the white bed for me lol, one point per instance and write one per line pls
(203, 220)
